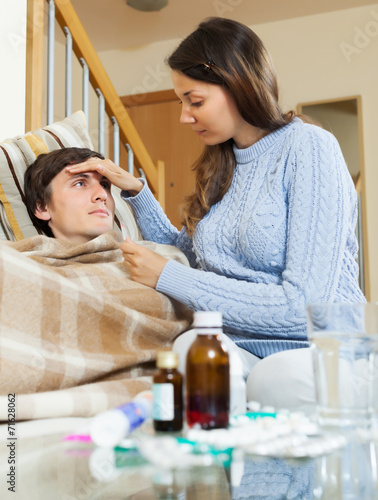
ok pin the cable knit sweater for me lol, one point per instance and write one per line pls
(282, 236)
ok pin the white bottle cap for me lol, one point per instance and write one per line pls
(207, 319)
(109, 428)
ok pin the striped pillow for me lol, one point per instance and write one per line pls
(18, 153)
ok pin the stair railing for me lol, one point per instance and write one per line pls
(93, 73)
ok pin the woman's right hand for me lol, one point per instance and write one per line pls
(115, 174)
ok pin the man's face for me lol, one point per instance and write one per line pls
(81, 206)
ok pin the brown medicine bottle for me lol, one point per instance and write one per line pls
(167, 393)
(207, 374)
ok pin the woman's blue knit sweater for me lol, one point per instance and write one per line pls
(282, 236)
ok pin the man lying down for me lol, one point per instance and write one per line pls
(77, 334)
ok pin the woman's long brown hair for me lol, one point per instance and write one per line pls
(227, 53)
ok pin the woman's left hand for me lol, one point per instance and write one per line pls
(144, 265)
(115, 174)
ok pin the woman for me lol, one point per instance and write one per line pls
(270, 225)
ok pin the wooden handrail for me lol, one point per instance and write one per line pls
(82, 47)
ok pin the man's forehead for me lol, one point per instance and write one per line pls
(89, 174)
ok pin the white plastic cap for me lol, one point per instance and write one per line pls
(109, 428)
(207, 319)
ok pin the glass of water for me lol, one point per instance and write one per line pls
(344, 342)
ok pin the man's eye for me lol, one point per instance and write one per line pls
(196, 104)
(79, 183)
(106, 185)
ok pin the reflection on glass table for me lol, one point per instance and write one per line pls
(49, 468)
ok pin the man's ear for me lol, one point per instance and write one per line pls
(42, 213)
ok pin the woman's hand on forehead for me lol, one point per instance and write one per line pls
(115, 174)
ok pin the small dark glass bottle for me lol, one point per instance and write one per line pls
(207, 375)
(167, 393)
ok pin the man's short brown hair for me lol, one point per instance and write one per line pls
(38, 177)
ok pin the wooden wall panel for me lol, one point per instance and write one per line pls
(34, 64)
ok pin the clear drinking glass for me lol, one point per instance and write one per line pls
(344, 341)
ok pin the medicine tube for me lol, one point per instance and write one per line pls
(110, 427)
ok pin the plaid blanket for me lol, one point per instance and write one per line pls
(77, 336)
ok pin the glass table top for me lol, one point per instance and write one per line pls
(46, 467)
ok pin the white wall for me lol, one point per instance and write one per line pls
(13, 63)
(140, 69)
(317, 57)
